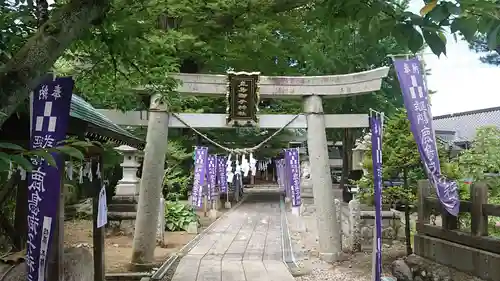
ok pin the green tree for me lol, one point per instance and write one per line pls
(480, 45)
(177, 172)
(399, 153)
(480, 163)
(142, 41)
(483, 159)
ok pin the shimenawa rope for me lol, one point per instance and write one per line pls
(238, 151)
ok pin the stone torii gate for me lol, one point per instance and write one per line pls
(311, 89)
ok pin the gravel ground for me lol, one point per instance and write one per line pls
(354, 267)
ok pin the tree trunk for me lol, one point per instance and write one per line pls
(25, 70)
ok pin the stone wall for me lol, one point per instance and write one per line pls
(78, 266)
(415, 268)
(358, 225)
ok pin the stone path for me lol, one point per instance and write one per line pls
(244, 246)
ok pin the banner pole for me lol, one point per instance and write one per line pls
(374, 242)
(376, 140)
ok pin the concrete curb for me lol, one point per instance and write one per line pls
(160, 273)
(286, 242)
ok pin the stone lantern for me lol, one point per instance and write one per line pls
(129, 184)
(358, 153)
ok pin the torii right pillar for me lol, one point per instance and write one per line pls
(329, 228)
(329, 231)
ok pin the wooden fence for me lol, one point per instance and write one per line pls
(478, 208)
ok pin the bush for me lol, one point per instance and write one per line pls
(173, 196)
(177, 176)
(179, 215)
(399, 153)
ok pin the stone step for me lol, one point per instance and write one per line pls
(120, 216)
(124, 199)
(122, 208)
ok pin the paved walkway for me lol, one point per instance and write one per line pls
(244, 246)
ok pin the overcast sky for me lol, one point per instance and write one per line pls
(462, 82)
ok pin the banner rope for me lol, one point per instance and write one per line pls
(237, 151)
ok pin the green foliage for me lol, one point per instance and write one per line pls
(177, 177)
(478, 163)
(12, 154)
(399, 153)
(483, 157)
(140, 43)
(178, 216)
(480, 45)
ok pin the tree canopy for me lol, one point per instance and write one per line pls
(480, 45)
(111, 46)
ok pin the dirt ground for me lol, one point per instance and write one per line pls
(118, 248)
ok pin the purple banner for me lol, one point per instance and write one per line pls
(416, 101)
(222, 173)
(211, 177)
(293, 167)
(376, 129)
(200, 158)
(285, 179)
(51, 104)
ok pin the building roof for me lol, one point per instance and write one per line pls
(99, 125)
(465, 124)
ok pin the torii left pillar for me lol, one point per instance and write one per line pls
(150, 191)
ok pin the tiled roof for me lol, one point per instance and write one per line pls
(101, 125)
(465, 124)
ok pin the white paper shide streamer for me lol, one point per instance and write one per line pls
(253, 164)
(237, 169)
(229, 169)
(102, 210)
(245, 167)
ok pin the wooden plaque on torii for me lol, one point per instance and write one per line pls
(242, 98)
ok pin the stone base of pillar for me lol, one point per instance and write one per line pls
(192, 228)
(296, 211)
(217, 205)
(213, 214)
(288, 204)
(330, 257)
(122, 212)
(130, 188)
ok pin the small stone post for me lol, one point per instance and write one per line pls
(160, 231)
(355, 226)
(144, 243)
(330, 238)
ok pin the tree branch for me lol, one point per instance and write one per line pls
(278, 6)
(24, 71)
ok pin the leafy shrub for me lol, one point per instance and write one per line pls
(179, 215)
(481, 163)
(399, 153)
(177, 177)
(173, 196)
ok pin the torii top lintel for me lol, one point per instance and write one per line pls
(328, 86)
